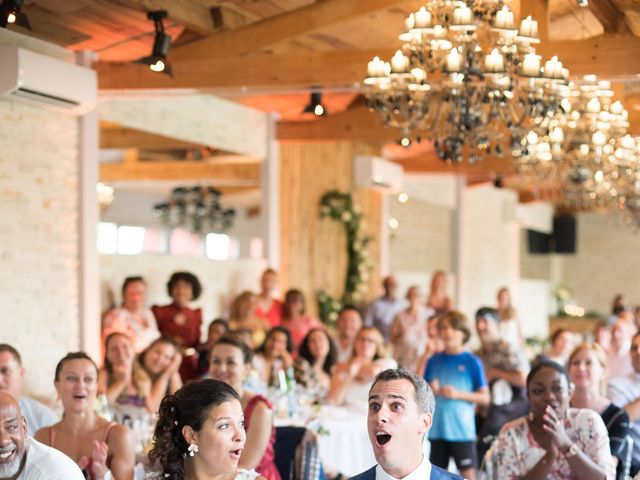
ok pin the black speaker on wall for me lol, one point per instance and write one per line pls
(538, 242)
(564, 234)
(562, 240)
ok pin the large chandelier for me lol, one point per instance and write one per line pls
(466, 78)
(584, 149)
(197, 209)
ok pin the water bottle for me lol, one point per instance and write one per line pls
(292, 396)
(102, 408)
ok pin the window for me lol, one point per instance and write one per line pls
(218, 246)
(107, 237)
(183, 242)
(130, 240)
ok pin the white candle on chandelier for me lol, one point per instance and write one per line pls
(531, 65)
(503, 18)
(528, 27)
(494, 62)
(399, 63)
(556, 135)
(553, 68)
(454, 61)
(462, 15)
(616, 108)
(438, 31)
(593, 106)
(422, 18)
(410, 22)
(599, 138)
(375, 68)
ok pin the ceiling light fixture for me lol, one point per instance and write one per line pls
(157, 61)
(315, 105)
(466, 77)
(10, 12)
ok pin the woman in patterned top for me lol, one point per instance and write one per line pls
(553, 441)
(316, 357)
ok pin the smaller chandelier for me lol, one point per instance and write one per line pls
(466, 78)
(197, 209)
(584, 148)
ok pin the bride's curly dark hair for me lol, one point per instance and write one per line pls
(189, 406)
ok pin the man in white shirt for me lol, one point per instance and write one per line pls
(11, 374)
(400, 414)
(22, 457)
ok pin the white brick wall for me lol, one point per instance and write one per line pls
(38, 238)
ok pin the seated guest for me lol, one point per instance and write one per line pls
(231, 363)
(217, 329)
(506, 369)
(384, 309)
(316, 357)
(560, 346)
(350, 381)
(27, 458)
(273, 355)
(587, 366)
(400, 413)
(349, 324)
(618, 357)
(95, 444)
(11, 375)
(458, 380)
(179, 322)
(434, 344)
(409, 331)
(160, 362)
(133, 317)
(268, 307)
(294, 317)
(437, 299)
(200, 434)
(602, 336)
(553, 441)
(123, 381)
(242, 316)
(625, 392)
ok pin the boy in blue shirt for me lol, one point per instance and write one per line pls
(458, 379)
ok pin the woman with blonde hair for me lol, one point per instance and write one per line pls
(350, 381)
(242, 316)
(437, 300)
(509, 326)
(586, 367)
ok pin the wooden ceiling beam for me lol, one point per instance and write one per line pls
(192, 15)
(608, 15)
(607, 56)
(429, 162)
(356, 124)
(278, 28)
(236, 173)
(122, 137)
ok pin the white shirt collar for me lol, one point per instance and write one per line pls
(422, 472)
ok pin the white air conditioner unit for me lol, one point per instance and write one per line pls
(375, 172)
(30, 77)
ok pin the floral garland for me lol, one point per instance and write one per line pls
(339, 206)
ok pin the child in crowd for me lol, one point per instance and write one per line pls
(458, 379)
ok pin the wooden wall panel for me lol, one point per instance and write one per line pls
(313, 250)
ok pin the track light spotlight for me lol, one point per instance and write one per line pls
(315, 105)
(157, 61)
(10, 12)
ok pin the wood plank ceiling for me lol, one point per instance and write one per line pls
(268, 53)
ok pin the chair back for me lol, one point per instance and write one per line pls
(296, 454)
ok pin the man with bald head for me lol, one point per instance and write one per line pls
(22, 457)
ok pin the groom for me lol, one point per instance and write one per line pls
(400, 414)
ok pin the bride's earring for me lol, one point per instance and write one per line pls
(193, 449)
